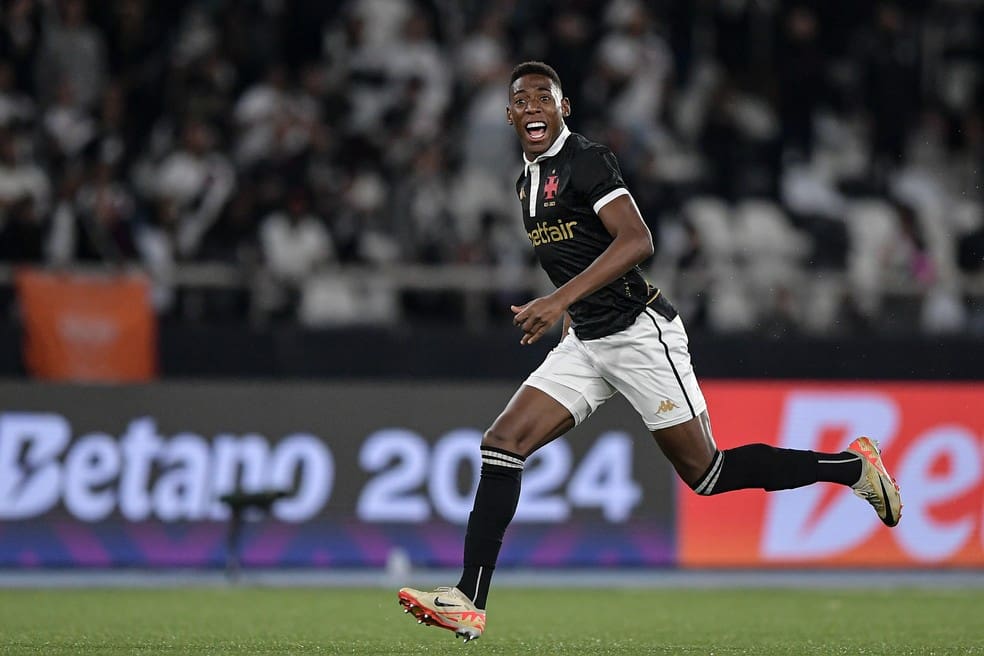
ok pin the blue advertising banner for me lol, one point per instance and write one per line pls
(134, 475)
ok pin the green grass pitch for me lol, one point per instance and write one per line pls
(521, 621)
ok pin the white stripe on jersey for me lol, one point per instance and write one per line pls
(534, 187)
(609, 197)
(533, 168)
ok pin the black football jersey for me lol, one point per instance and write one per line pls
(561, 191)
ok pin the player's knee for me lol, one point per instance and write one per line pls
(691, 469)
(500, 439)
(690, 473)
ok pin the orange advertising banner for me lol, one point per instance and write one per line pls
(932, 439)
(93, 328)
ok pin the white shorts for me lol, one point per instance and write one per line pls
(648, 362)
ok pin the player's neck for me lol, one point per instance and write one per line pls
(552, 149)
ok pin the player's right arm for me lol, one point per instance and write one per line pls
(631, 244)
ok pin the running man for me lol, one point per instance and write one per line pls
(619, 335)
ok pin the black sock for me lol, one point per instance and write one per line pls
(772, 468)
(843, 467)
(495, 505)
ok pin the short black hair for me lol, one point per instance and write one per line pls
(535, 68)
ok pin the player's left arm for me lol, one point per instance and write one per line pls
(631, 244)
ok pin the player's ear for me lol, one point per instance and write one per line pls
(565, 107)
(508, 117)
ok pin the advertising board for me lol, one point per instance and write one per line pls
(932, 440)
(132, 475)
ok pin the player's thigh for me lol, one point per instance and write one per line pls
(563, 391)
(649, 364)
(688, 446)
(531, 419)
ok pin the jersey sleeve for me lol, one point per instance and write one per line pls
(596, 175)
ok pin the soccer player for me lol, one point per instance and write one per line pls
(619, 335)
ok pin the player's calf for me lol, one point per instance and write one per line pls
(770, 468)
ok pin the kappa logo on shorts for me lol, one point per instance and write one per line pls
(665, 406)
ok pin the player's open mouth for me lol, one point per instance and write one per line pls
(537, 130)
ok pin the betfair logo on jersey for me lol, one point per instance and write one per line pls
(545, 233)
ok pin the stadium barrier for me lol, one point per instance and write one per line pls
(133, 475)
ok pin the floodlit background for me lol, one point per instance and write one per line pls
(267, 248)
(256, 262)
(806, 167)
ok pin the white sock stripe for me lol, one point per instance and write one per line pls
(717, 474)
(712, 475)
(834, 462)
(501, 456)
(490, 452)
(490, 459)
(478, 582)
(851, 458)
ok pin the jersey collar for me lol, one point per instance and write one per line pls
(553, 150)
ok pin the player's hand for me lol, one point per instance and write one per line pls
(536, 317)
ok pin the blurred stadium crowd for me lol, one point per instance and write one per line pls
(809, 166)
